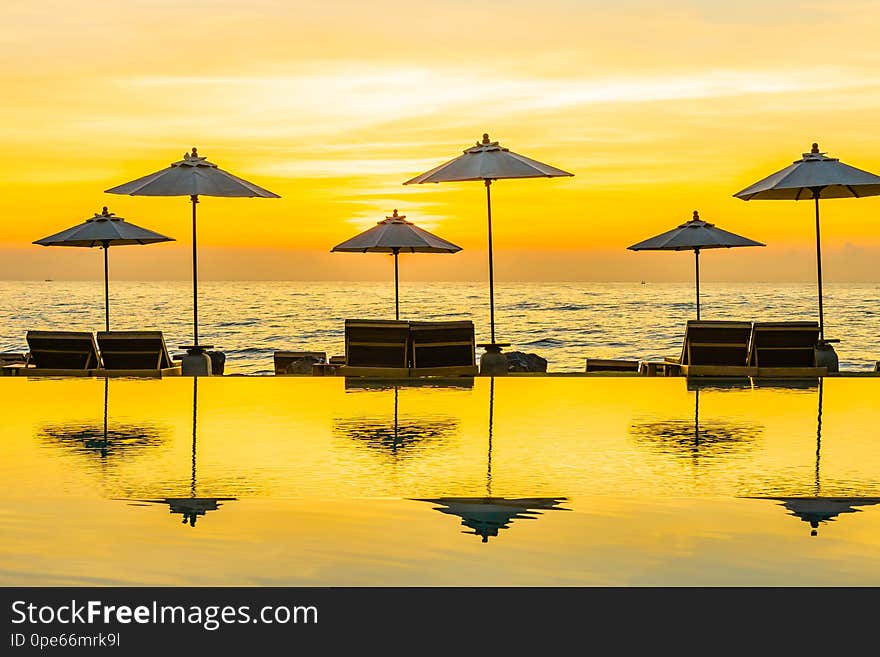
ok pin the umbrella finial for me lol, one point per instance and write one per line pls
(195, 153)
(105, 212)
(394, 214)
(696, 216)
(815, 148)
(485, 137)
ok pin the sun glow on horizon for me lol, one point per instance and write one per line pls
(333, 106)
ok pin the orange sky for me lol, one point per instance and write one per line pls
(657, 108)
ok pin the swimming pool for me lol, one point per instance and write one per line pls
(510, 481)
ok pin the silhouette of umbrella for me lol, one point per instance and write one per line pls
(814, 175)
(105, 440)
(696, 438)
(488, 161)
(694, 235)
(192, 507)
(397, 436)
(817, 508)
(104, 230)
(394, 235)
(487, 515)
(192, 176)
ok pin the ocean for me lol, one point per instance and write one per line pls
(562, 322)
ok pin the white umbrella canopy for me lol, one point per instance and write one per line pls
(814, 176)
(192, 176)
(396, 235)
(488, 161)
(104, 230)
(694, 235)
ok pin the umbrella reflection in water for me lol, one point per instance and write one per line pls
(816, 509)
(193, 506)
(712, 439)
(119, 440)
(487, 516)
(397, 435)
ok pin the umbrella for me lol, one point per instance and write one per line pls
(814, 175)
(487, 515)
(192, 176)
(397, 435)
(694, 235)
(394, 235)
(104, 230)
(488, 161)
(818, 508)
(192, 507)
(691, 437)
(120, 441)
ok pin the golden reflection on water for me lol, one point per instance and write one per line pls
(250, 463)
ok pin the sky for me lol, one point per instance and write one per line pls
(657, 108)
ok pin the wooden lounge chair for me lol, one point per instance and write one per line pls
(443, 348)
(61, 353)
(785, 349)
(715, 348)
(135, 353)
(377, 348)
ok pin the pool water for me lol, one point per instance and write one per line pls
(510, 481)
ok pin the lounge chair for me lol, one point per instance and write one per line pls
(715, 348)
(135, 353)
(443, 348)
(785, 349)
(61, 353)
(377, 348)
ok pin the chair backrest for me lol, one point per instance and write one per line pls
(63, 350)
(443, 344)
(716, 342)
(376, 343)
(784, 344)
(134, 350)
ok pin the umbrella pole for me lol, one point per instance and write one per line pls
(816, 193)
(818, 436)
(491, 267)
(195, 199)
(395, 417)
(106, 393)
(489, 455)
(697, 260)
(106, 287)
(192, 487)
(396, 291)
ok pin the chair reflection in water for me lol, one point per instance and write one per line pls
(817, 508)
(192, 507)
(487, 515)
